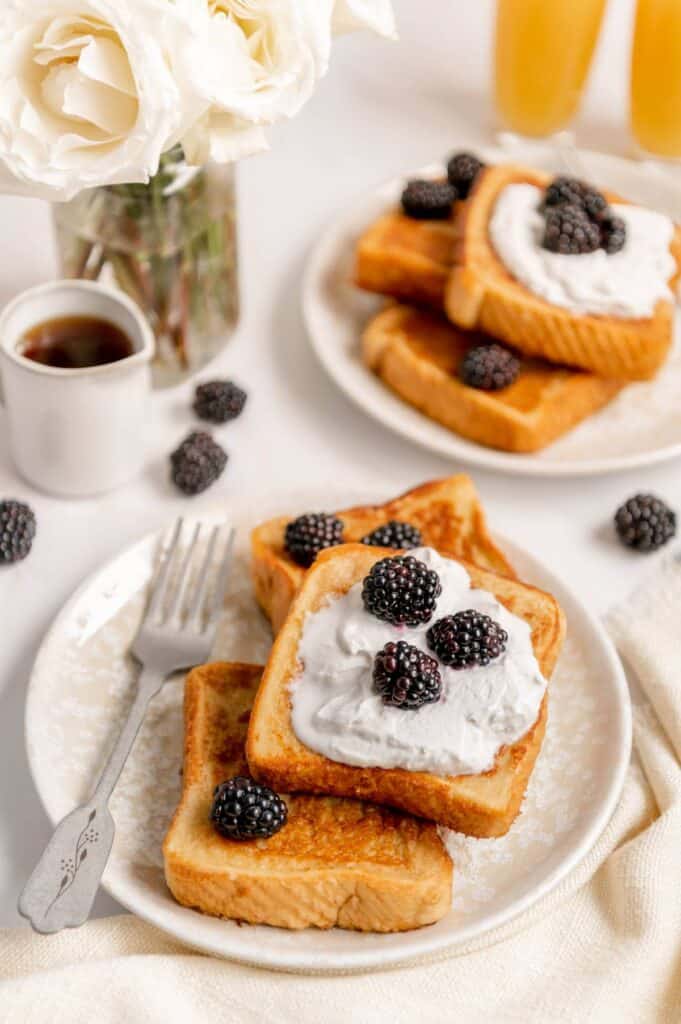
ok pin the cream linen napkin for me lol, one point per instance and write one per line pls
(604, 947)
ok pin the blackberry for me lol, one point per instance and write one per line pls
(197, 463)
(428, 200)
(462, 170)
(394, 534)
(571, 191)
(401, 590)
(613, 233)
(645, 522)
(406, 677)
(595, 204)
(219, 401)
(570, 231)
(467, 639)
(17, 530)
(242, 809)
(307, 535)
(563, 190)
(489, 367)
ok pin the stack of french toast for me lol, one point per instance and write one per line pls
(520, 304)
(406, 692)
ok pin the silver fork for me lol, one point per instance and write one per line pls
(177, 632)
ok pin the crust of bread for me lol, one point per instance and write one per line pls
(339, 863)
(448, 512)
(481, 294)
(417, 353)
(480, 805)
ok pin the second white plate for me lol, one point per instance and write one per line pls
(82, 684)
(642, 426)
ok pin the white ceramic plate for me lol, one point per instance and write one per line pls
(82, 684)
(642, 426)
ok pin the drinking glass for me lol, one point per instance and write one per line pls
(543, 54)
(655, 102)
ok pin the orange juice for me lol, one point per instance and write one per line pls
(656, 77)
(543, 53)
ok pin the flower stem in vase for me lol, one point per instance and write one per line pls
(171, 246)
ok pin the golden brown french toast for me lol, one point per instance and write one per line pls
(406, 258)
(335, 862)
(417, 353)
(482, 294)
(479, 805)
(447, 512)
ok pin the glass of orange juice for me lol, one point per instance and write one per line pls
(543, 53)
(655, 110)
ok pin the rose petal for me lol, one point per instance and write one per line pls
(377, 15)
(114, 113)
(105, 62)
(222, 138)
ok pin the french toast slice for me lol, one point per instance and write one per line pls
(407, 259)
(481, 805)
(447, 512)
(482, 294)
(417, 353)
(336, 862)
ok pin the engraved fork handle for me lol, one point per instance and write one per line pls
(60, 892)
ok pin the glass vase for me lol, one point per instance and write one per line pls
(171, 245)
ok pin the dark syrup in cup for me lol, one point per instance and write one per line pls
(76, 343)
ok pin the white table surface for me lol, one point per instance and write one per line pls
(384, 107)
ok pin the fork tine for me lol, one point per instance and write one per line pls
(194, 613)
(218, 600)
(176, 600)
(160, 586)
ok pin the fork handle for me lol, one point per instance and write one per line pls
(61, 890)
(148, 685)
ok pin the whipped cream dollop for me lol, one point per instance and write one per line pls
(336, 712)
(625, 284)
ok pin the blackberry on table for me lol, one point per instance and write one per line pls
(406, 677)
(613, 233)
(462, 170)
(394, 534)
(197, 463)
(307, 535)
(563, 190)
(467, 639)
(243, 809)
(428, 200)
(219, 401)
(489, 367)
(401, 590)
(645, 522)
(569, 230)
(17, 530)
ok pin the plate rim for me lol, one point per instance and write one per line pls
(452, 446)
(417, 945)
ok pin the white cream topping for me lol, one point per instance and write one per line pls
(625, 284)
(336, 712)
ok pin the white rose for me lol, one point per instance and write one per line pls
(86, 94)
(376, 15)
(254, 62)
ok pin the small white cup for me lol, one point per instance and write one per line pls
(76, 432)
